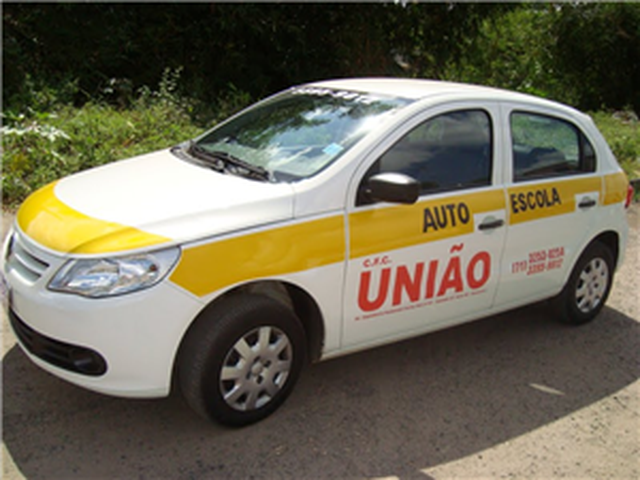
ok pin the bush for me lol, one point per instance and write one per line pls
(40, 150)
(586, 55)
(40, 147)
(513, 50)
(622, 131)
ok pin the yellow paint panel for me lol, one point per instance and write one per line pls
(615, 188)
(383, 229)
(206, 268)
(52, 223)
(533, 202)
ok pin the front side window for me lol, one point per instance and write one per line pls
(300, 132)
(451, 151)
(545, 147)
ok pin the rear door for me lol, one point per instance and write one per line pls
(553, 199)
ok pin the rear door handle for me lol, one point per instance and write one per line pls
(491, 224)
(587, 203)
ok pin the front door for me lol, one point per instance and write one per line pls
(417, 267)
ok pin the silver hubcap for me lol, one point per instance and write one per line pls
(592, 284)
(256, 368)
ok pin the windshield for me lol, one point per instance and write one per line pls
(298, 133)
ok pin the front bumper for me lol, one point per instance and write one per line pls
(123, 346)
(73, 358)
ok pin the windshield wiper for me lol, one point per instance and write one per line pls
(219, 160)
(257, 171)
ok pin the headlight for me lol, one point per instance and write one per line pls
(104, 277)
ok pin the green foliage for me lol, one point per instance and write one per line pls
(585, 55)
(622, 132)
(114, 49)
(597, 54)
(515, 51)
(39, 147)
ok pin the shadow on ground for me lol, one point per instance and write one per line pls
(390, 411)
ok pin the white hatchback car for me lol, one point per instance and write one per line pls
(329, 218)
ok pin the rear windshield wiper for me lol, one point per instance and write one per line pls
(219, 160)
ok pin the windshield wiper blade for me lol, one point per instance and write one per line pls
(219, 160)
(238, 162)
(200, 153)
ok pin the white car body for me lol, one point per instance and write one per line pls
(376, 273)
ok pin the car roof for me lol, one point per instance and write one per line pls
(420, 89)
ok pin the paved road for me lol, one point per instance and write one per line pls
(512, 396)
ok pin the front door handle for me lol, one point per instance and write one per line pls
(491, 224)
(587, 203)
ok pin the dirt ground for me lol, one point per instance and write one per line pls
(512, 396)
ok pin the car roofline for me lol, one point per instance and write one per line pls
(423, 89)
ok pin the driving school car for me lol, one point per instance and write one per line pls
(329, 218)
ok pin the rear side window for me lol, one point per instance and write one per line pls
(545, 146)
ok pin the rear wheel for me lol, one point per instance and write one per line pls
(240, 361)
(587, 290)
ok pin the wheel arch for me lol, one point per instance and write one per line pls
(611, 240)
(588, 285)
(292, 296)
(301, 302)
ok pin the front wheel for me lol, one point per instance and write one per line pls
(240, 361)
(588, 287)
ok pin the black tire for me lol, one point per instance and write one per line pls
(588, 287)
(258, 343)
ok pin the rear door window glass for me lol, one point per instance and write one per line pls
(545, 146)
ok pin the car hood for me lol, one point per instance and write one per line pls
(147, 201)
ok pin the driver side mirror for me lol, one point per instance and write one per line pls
(393, 188)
